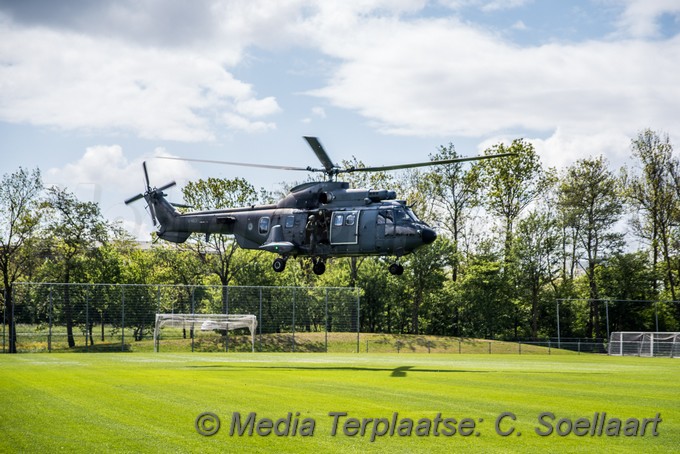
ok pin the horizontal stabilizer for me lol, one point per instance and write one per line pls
(174, 237)
(275, 242)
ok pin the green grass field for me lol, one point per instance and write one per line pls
(146, 402)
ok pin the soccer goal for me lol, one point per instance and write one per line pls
(205, 322)
(639, 343)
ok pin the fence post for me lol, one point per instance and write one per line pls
(293, 327)
(326, 319)
(191, 332)
(49, 328)
(122, 319)
(87, 318)
(4, 318)
(358, 316)
(656, 315)
(520, 347)
(606, 308)
(558, 324)
(13, 348)
(259, 325)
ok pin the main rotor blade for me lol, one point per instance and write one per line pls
(146, 176)
(166, 186)
(321, 153)
(242, 164)
(422, 164)
(134, 199)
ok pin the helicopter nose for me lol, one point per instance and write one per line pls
(428, 235)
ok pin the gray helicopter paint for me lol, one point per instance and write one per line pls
(379, 227)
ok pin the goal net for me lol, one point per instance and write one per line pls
(205, 322)
(638, 343)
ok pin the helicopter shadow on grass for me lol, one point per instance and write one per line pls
(400, 372)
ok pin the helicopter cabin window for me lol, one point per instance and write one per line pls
(290, 222)
(338, 220)
(263, 225)
(350, 219)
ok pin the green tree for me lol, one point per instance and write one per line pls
(628, 279)
(453, 191)
(509, 185)
(19, 222)
(105, 265)
(484, 309)
(537, 253)
(654, 200)
(591, 198)
(425, 275)
(75, 230)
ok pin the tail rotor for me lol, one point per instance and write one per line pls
(151, 194)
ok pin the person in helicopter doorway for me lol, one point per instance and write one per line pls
(323, 221)
(311, 233)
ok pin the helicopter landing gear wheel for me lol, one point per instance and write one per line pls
(319, 267)
(279, 264)
(396, 269)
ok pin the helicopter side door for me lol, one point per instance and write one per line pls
(384, 229)
(344, 227)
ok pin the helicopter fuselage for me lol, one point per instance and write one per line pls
(319, 220)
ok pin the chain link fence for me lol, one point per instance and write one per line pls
(108, 317)
(116, 317)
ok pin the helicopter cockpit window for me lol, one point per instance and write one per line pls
(412, 215)
(338, 220)
(290, 222)
(350, 219)
(400, 216)
(263, 225)
(385, 217)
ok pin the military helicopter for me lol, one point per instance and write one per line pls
(319, 220)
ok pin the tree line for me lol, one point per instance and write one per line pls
(514, 237)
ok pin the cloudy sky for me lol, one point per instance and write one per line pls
(90, 89)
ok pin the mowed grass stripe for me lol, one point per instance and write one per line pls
(149, 402)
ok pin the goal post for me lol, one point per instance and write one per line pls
(641, 343)
(205, 322)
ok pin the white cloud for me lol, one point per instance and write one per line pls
(498, 5)
(73, 81)
(258, 107)
(165, 70)
(563, 148)
(446, 78)
(241, 123)
(484, 5)
(640, 17)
